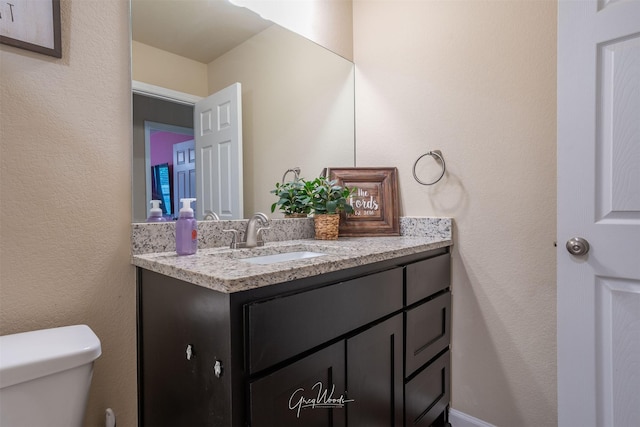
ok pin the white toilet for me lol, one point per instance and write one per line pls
(45, 376)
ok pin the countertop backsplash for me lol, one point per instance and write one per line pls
(160, 237)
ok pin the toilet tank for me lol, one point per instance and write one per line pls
(45, 376)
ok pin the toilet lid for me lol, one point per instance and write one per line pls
(29, 355)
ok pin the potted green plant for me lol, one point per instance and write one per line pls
(327, 201)
(293, 199)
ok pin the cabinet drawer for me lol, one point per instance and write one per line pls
(427, 277)
(427, 331)
(283, 327)
(428, 394)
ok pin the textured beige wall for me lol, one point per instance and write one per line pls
(297, 109)
(65, 194)
(475, 79)
(165, 69)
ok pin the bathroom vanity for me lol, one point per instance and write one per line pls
(358, 336)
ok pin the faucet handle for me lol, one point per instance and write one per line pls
(259, 236)
(234, 238)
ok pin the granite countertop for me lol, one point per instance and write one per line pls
(222, 269)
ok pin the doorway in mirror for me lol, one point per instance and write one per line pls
(157, 125)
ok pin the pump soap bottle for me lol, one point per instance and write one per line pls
(155, 214)
(186, 230)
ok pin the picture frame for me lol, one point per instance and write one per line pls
(375, 201)
(32, 25)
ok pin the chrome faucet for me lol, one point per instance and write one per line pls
(252, 234)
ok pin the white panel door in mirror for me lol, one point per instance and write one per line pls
(219, 154)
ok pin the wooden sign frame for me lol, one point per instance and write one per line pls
(375, 201)
(32, 25)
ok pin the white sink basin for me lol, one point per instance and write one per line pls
(287, 256)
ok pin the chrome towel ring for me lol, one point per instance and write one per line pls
(437, 155)
(296, 174)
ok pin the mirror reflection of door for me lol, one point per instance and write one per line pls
(219, 182)
(163, 137)
(184, 173)
(168, 122)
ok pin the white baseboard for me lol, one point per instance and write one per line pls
(460, 419)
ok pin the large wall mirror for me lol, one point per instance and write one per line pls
(297, 97)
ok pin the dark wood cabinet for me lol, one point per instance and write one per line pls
(176, 355)
(427, 394)
(308, 319)
(374, 375)
(427, 337)
(282, 397)
(428, 327)
(355, 347)
(427, 277)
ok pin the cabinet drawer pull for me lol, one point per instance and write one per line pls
(189, 352)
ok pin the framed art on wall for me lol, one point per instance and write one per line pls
(375, 201)
(32, 24)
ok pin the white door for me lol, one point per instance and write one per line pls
(184, 174)
(599, 200)
(218, 135)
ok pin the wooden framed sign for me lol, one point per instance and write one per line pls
(375, 202)
(32, 25)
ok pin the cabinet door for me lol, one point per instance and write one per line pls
(177, 352)
(306, 393)
(374, 375)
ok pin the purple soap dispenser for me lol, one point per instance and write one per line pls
(155, 214)
(186, 229)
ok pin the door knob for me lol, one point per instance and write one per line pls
(577, 246)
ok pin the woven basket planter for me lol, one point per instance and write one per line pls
(326, 226)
